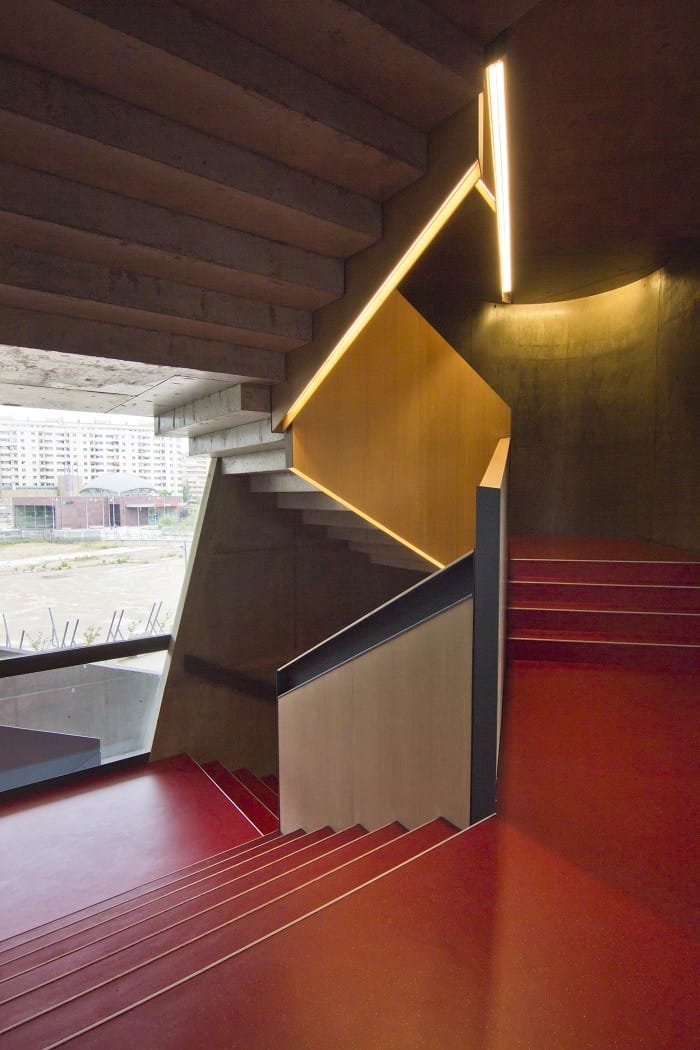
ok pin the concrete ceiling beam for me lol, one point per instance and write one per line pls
(103, 293)
(48, 331)
(79, 133)
(239, 440)
(243, 403)
(399, 55)
(165, 58)
(277, 272)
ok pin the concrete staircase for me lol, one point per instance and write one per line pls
(256, 450)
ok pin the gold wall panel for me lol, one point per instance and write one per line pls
(403, 429)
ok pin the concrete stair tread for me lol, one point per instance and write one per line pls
(116, 993)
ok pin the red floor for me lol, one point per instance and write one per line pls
(66, 848)
(489, 941)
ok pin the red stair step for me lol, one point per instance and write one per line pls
(86, 918)
(128, 918)
(643, 655)
(686, 573)
(614, 625)
(207, 908)
(643, 597)
(258, 814)
(261, 791)
(272, 782)
(115, 994)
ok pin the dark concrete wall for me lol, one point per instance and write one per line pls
(605, 395)
(262, 589)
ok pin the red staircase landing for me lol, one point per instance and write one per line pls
(69, 846)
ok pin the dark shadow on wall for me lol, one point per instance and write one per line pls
(262, 590)
(605, 395)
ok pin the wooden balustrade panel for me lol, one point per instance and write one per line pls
(403, 430)
(385, 736)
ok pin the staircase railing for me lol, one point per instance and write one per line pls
(375, 722)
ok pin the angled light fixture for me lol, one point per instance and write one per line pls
(496, 93)
(397, 273)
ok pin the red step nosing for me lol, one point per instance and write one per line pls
(262, 818)
(54, 938)
(118, 994)
(272, 782)
(232, 801)
(95, 952)
(261, 791)
(55, 925)
(84, 936)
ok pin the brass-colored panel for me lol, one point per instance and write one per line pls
(403, 429)
(386, 736)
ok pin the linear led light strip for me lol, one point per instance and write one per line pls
(390, 282)
(496, 91)
(370, 521)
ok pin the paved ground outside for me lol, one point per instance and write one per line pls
(87, 583)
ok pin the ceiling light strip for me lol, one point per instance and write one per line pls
(496, 91)
(433, 226)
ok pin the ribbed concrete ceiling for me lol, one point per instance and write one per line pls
(181, 183)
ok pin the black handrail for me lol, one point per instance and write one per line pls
(229, 677)
(424, 600)
(52, 659)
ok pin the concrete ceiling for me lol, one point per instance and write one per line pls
(181, 184)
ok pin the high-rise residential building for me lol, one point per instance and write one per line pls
(37, 452)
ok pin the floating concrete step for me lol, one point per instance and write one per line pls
(281, 481)
(237, 441)
(255, 462)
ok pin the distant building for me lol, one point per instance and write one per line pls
(109, 500)
(63, 448)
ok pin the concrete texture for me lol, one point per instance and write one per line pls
(604, 393)
(262, 589)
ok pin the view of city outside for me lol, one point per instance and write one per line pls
(96, 520)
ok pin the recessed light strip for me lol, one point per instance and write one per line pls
(433, 226)
(496, 90)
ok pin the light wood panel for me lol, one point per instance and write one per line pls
(386, 736)
(403, 429)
